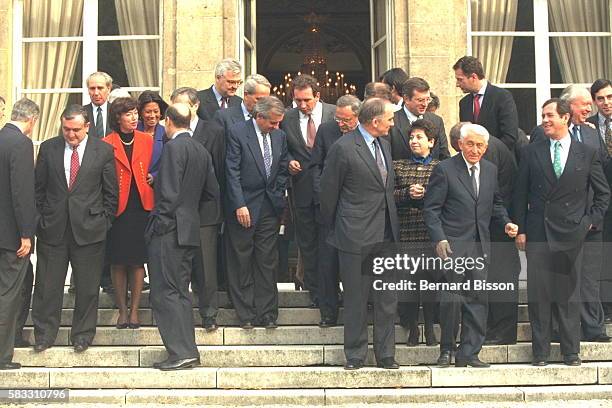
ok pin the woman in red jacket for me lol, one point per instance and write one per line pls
(126, 247)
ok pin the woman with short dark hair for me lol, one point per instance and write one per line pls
(151, 110)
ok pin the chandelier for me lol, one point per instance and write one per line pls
(331, 85)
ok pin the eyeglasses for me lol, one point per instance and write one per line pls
(237, 83)
(422, 100)
(346, 121)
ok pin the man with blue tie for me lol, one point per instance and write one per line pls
(256, 174)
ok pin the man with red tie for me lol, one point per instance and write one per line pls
(76, 196)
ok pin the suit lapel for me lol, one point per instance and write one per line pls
(297, 130)
(487, 102)
(572, 160)
(363, 150)
(58, 160)
(236, 113)
(253, 144)
(275, 143)
(403, 124)
(464, 177)
(120, 151)
(543, 153)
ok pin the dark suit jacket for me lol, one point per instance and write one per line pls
(245, 172)
(18, 216)
(302, 182)
(590, 137)
(354, 199)
(595, 121)
(399, 136)
(158, 146)
(212, 137)
(209, 104)
(92, 126)
(186, 177)
(452, 212)
(498, 154)
(228, 117)
(327, 134)
(497, 114)
(558, 211)
(90, 206)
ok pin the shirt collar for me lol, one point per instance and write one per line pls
(81, 145)
(411, 117)
(218, 96)
(95, 107)
(257, 129)
(178, 132)
(602, 118)
(469, 165)
(483, 88)
(193, 123)
(366, 135)
(565, 142)
(245, 112)
(316, 112)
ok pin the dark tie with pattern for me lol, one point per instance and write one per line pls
(608, 135)
(74, 166)
(576, 134)
(473, 177)
(267, 155)
(99, 124)
(311, 131)
(223, 103)
(476, 107)
(379, 161)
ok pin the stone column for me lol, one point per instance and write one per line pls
(6, 53)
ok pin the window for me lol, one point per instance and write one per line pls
(59, 43)
(381, 34)
(247, 36)
(535, 48)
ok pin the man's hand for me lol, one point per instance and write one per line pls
(150, 179)
(443, 249)
(520, 241)
(25, 248)
(294, 167)
(511, 230)
(417, 191)
(243, 216)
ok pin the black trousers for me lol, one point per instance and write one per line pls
(553, 286)
(591, 312)
(307, 236)
(26, 299)
(51, 269)
(252, 265)
(170, 268)
(204, 275)
(328, 274)
(357, 287)
(12, 274)
(605, 283)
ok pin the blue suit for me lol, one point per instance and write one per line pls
(158, 146)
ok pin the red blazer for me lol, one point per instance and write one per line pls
(141, 159)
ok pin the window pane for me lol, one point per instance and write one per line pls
(44, 18)
(525, 100)
(128, 17)
(579, 15)
(380, 59)
(380, 25)
(580, 59)
(247, 20)
(502, 15)
(55, 67)
(130, 63)
(51, 106)
(506, 59)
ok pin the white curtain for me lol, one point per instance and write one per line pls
(493, 51)
(141, 57)
(581, 59)
(50, 65)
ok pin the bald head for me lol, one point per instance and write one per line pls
(178, 117)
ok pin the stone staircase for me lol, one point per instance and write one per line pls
(296, 364)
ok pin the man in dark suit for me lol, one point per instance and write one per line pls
(18, 218)
(395, 78)
(256, 172)
(378, 90)
(204, 278)
(552, 208)
(222, 94)
(255, 87)
(416, 94)
(357, 201)
(346, 120)
(185, 179)
(301, 124)
(76, 195)
(486, 104)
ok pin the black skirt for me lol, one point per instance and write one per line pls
(126, 245)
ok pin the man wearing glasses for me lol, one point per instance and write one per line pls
(221, 95)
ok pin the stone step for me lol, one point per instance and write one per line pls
(279, 356)
(256, 378)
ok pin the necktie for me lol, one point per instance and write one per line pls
(576, 134)
(608, 135)
(379, 162)
(99, 124)
(267, 156)
(557, 160)
(223, 103)
(311, 132)
(74, 166)
(473, 177)
(476, 107)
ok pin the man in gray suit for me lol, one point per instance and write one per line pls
(357, 201)
(18, 219)
(301, 124)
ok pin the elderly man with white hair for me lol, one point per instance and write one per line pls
(461, 199)
(222, 94)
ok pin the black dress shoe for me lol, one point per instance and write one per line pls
(313, 305)
(71, 289)
(10, 366)
(270, 324)
(539, 362)
(248, 325)
(572, 360)
(179, 364)
(353, 365)
(159, 363)
(146, 286)
(121, 326)
(602, 338)
(475, 362)
(134, 325)
(39, 348)
(445, 359)
(210, 324)
(80, 347)
(326, 322)
(20, 342)
(388, 363)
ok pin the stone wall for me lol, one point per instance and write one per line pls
(6, 51)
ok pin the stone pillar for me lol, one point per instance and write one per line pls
(6, 53)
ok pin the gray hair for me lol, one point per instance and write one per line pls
(267, 105)
(573, 91)
(371, 109)
(228, 64)
(24, 110)
(349, 100)
(108, 80)
(470, 128)
(191, 93)
(455, 131)
(118, 93)
(253, 80)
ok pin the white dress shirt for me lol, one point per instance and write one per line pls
(193, 124)
(68, 157)
(260, 139)
(104, 107)
(317, 116)
(565, 146)
(571, 130)
(411, 116)
(245, 112)
(477, 175)
(481, 92)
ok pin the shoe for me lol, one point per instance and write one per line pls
(539, 362)
(159, 363)
(210, 324)
(179, 364)
(572, 360)
(134, 325)
(270, 324)
(247, 325)
(475, 362)
(80, 346)
(20, 342)
(353, 365)
(430, 336)
(108, 289)
(327, 322)
(313, 305)
(39, 348)
(413, 336)
(10, 366)
(445, 359)
(602, 338)
(608, 319)
(146, 287)
(121, 326)
(388, 363)
(71, 289)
